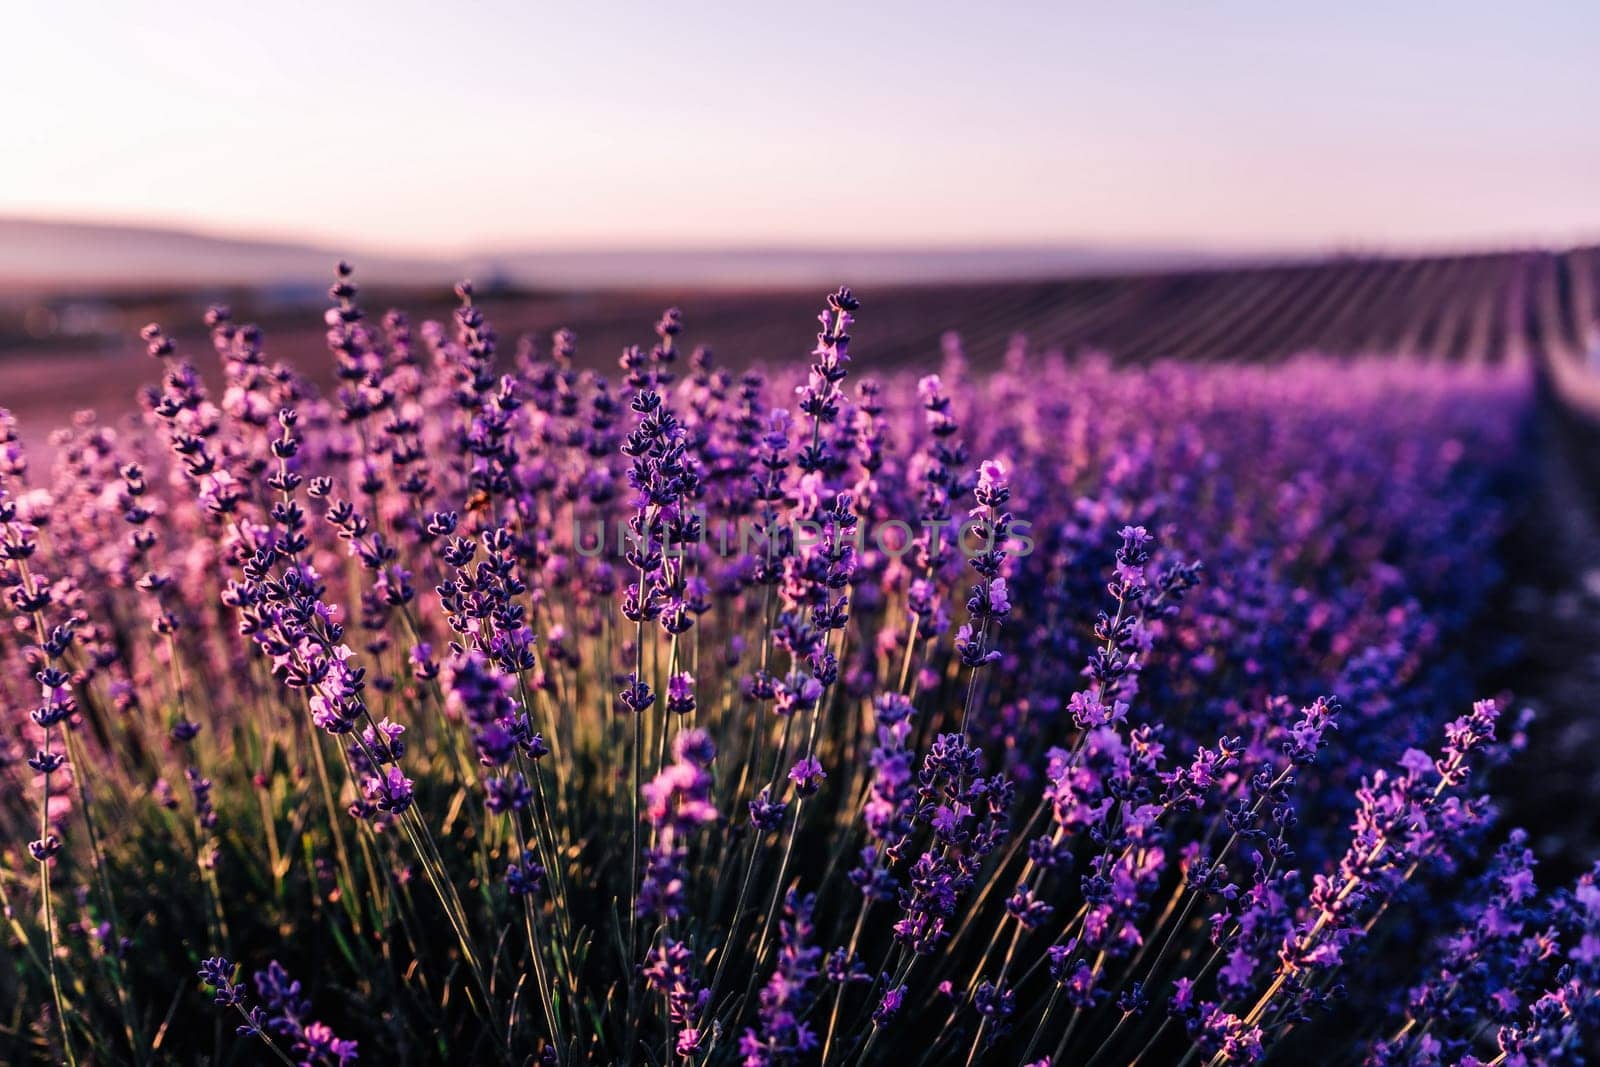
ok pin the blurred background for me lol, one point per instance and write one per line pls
(1244, 181)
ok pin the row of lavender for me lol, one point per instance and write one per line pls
(684, 715)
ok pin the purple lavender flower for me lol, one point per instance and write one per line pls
(1046, 829)
(280, 1015)
(807, 775)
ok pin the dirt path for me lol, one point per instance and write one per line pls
(1553, 607)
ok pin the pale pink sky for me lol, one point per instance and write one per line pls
(411, 126)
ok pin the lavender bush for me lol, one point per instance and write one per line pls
(526, 713)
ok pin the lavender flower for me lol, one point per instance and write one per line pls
(830, 756)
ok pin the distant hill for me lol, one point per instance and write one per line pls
(43, 255)
(50, 255)
(789, 266)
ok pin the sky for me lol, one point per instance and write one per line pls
(445, 129)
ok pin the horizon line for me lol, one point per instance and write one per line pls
(1578, 237)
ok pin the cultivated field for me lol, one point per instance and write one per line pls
(1032, 673)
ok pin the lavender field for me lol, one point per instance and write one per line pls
(454, 697)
